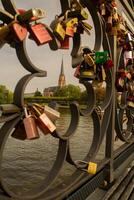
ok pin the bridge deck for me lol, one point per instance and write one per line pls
(123, 189)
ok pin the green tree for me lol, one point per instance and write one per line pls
(70, 91)
(6, 96)
(37, 93)
(84, 96)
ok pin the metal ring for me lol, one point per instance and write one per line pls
(73, 123)
(54, 171)
(18, 97)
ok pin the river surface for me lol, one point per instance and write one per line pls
(26, 163)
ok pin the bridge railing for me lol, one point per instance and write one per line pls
(112, 120)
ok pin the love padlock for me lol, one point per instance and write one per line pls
(130, 101)
(101, 57)
(77, 72)
(30, 125)
(81, 14)
(87, 66)
(43, 121)
(127, 57)
(121, 80)
(40, 34)
(58, 28)
(19, 131)
(108, 64)
(100, 73)
(52, 113)
(70, 24)
(19, 31)
(102, 8)
(92, 168)
(4, 31)
(65, 43)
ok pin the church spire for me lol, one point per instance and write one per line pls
(62, 68)
(62, 80)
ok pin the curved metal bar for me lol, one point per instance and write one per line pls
(76, 45)
(7, 118)
(73, 123)
(126, 135)
(76, 55)
(24, 59)
(64, 5)
(18, 97)
(54, 171)
(94, 146)
(6, 17)
(97, 24)
(108, 95)
(91, 99)
(105, 121)
(123, 104)
(10, 7)
(120, 57)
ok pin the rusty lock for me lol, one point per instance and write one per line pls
(30, 125)
(43, 121)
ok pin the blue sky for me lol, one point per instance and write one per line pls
(43, 57)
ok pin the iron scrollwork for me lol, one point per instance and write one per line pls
(101, 115)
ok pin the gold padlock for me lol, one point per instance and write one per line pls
(35, 13)
(80, 14)
(92, 168)
(103, 9)
(87, 27)
(4, 31)
(60, 31)
(71, 26)
(78, 11)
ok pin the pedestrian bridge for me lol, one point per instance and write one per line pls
(109, 176)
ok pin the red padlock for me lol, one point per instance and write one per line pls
(108, 64)
(65, 43)
(19, 31)
(77, 72)
(40, 34)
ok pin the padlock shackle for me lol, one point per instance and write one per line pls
(38, 105)
(25, 111)
(36, 110)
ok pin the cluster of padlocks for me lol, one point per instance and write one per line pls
(24, 120)
(36, 117)
(93, 66)
(16, 26)
(116, 25)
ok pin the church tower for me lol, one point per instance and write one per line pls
(62, 80)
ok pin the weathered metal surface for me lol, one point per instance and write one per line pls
(82, 184)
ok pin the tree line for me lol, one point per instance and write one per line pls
(70, 91)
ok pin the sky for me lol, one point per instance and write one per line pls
(44, 58)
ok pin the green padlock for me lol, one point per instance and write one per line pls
(101, 57)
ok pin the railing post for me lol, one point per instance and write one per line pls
(109, 151)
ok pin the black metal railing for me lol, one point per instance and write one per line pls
(108, 118)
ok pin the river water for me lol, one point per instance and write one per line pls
(26, 163)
